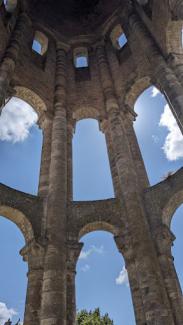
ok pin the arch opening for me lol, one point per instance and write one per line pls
(20, 144)
(92, 177)
(102, 275)
(13, 279)
(158, 134)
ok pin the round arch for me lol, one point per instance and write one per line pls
(85, 113)
(98, 226)
(21, 221)
(32, 99)
(171, 206)
(139, 86)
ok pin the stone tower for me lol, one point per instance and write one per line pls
(105, 88)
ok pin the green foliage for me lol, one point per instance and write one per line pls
(93, 318)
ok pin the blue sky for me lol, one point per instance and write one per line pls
(101, 277)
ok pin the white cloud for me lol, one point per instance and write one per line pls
(6, 313)
(16, 119)
(123, 277)
(85, 268)
(173, 146)
(85, 254)
(155, 92)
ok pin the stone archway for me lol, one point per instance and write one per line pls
(32, 99)
(138, 87)
(18, 218)
(171, 206)
(99, 257)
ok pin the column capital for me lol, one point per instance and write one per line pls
(71, 124)
(129, 113)
(45, 119)
(32, 248)
(73, 251)
(61, 46)
(124, 244)
(164, 239)
(33, 254)
(103, 125)
(100, 44)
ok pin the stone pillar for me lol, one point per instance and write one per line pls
(164, 240)
(70, 131)
(53, 311)
(155, 301)
(33, 253)
(116, 183)
(7, 67)
(160, 71)
(73, 251)
(135, 151)
(46, 126)
(126, 249)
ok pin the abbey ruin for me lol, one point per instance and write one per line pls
(105, 88)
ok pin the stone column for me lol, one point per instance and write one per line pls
(155, 301)
(126, 250)
(53, 311)
(46, 125)
(73, 251)
(135, 151)
(116, 183)
(33, 253)
(164, 239)
(7, 67)
(70, 131)
(160, 71)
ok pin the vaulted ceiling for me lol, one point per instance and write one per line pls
(72, 17)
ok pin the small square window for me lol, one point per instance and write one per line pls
(122, 40)
(81, 62)
(36, 47)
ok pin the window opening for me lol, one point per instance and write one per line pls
(40, 43)
(102, 280)
(92, 176)
(81, 58)
(13, 272)
(158, 134)
(20, 145)
(118, 37)
(36, 46)
(81, 62)
(122, 40)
